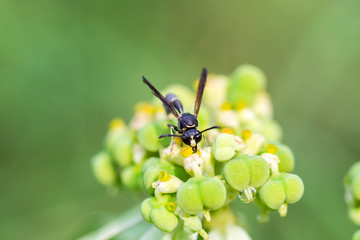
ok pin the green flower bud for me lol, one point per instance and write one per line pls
(286, 157)
(237, 173)
(273, 193)
(199, 193)
(356, 235)
(249, 78)
(151, 170)
(246, 81)
(284, 188)
(149, 138)
(122, 150)
(355, 187)
(131, 177)
(245, 171)
(354, 215)
(163, 219)
(146, 208)
(192, 223)
(354, 170)
(259, 171)
(103, 169)
(224, 147)
(117, 129)
(188, 197)
(294, 188)
(213, 193)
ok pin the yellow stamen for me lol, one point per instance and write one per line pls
(271, 148)
(204, 234)
(164, 176)
(226, 106)
(246, 134)
(116, 123)
(186, 151)
(144, 107)
(240, 105)
(207, 215)
(171, 206)
(178, 141)
(227, 130)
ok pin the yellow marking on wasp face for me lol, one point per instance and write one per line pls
(191, 126)
(192, 143)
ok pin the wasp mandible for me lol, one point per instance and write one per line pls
(187, 123)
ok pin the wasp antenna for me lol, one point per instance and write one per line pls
(169, 135)
(213, 127)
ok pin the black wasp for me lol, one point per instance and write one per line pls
(187, 122)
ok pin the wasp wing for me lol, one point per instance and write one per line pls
(161, 97)
(200, 91)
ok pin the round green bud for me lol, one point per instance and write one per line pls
(259, 171)
(224, 147)
(354, 215)
(250, 78)
(103, 169)
(356, 235)
(355, 186)
(192, 223)
(286, 157)
(161, 129)
(146, 208)
(237, 173)
(151, 172)
(294, 188)
(122, 150)
(213, 193)
(148, 137)
(272, 193)
(354, 170)
(188, 197)
(130, 177)
(163, 219)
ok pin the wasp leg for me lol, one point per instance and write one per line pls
(172, 128)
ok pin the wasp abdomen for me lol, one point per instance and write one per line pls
(175, 102)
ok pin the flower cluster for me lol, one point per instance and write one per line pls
(190, 192)
(352, 195)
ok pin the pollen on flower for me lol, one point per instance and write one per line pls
(144, 107)
(164, 176)
(186, 152)
(171, 206)
(116, 123)
(240, 105)
(226, 106)
(178, 141)
(246, 134)
(271, 148)
(227, 130)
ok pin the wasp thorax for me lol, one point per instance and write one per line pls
(186, 121)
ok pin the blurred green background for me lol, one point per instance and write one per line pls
(68, 67)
